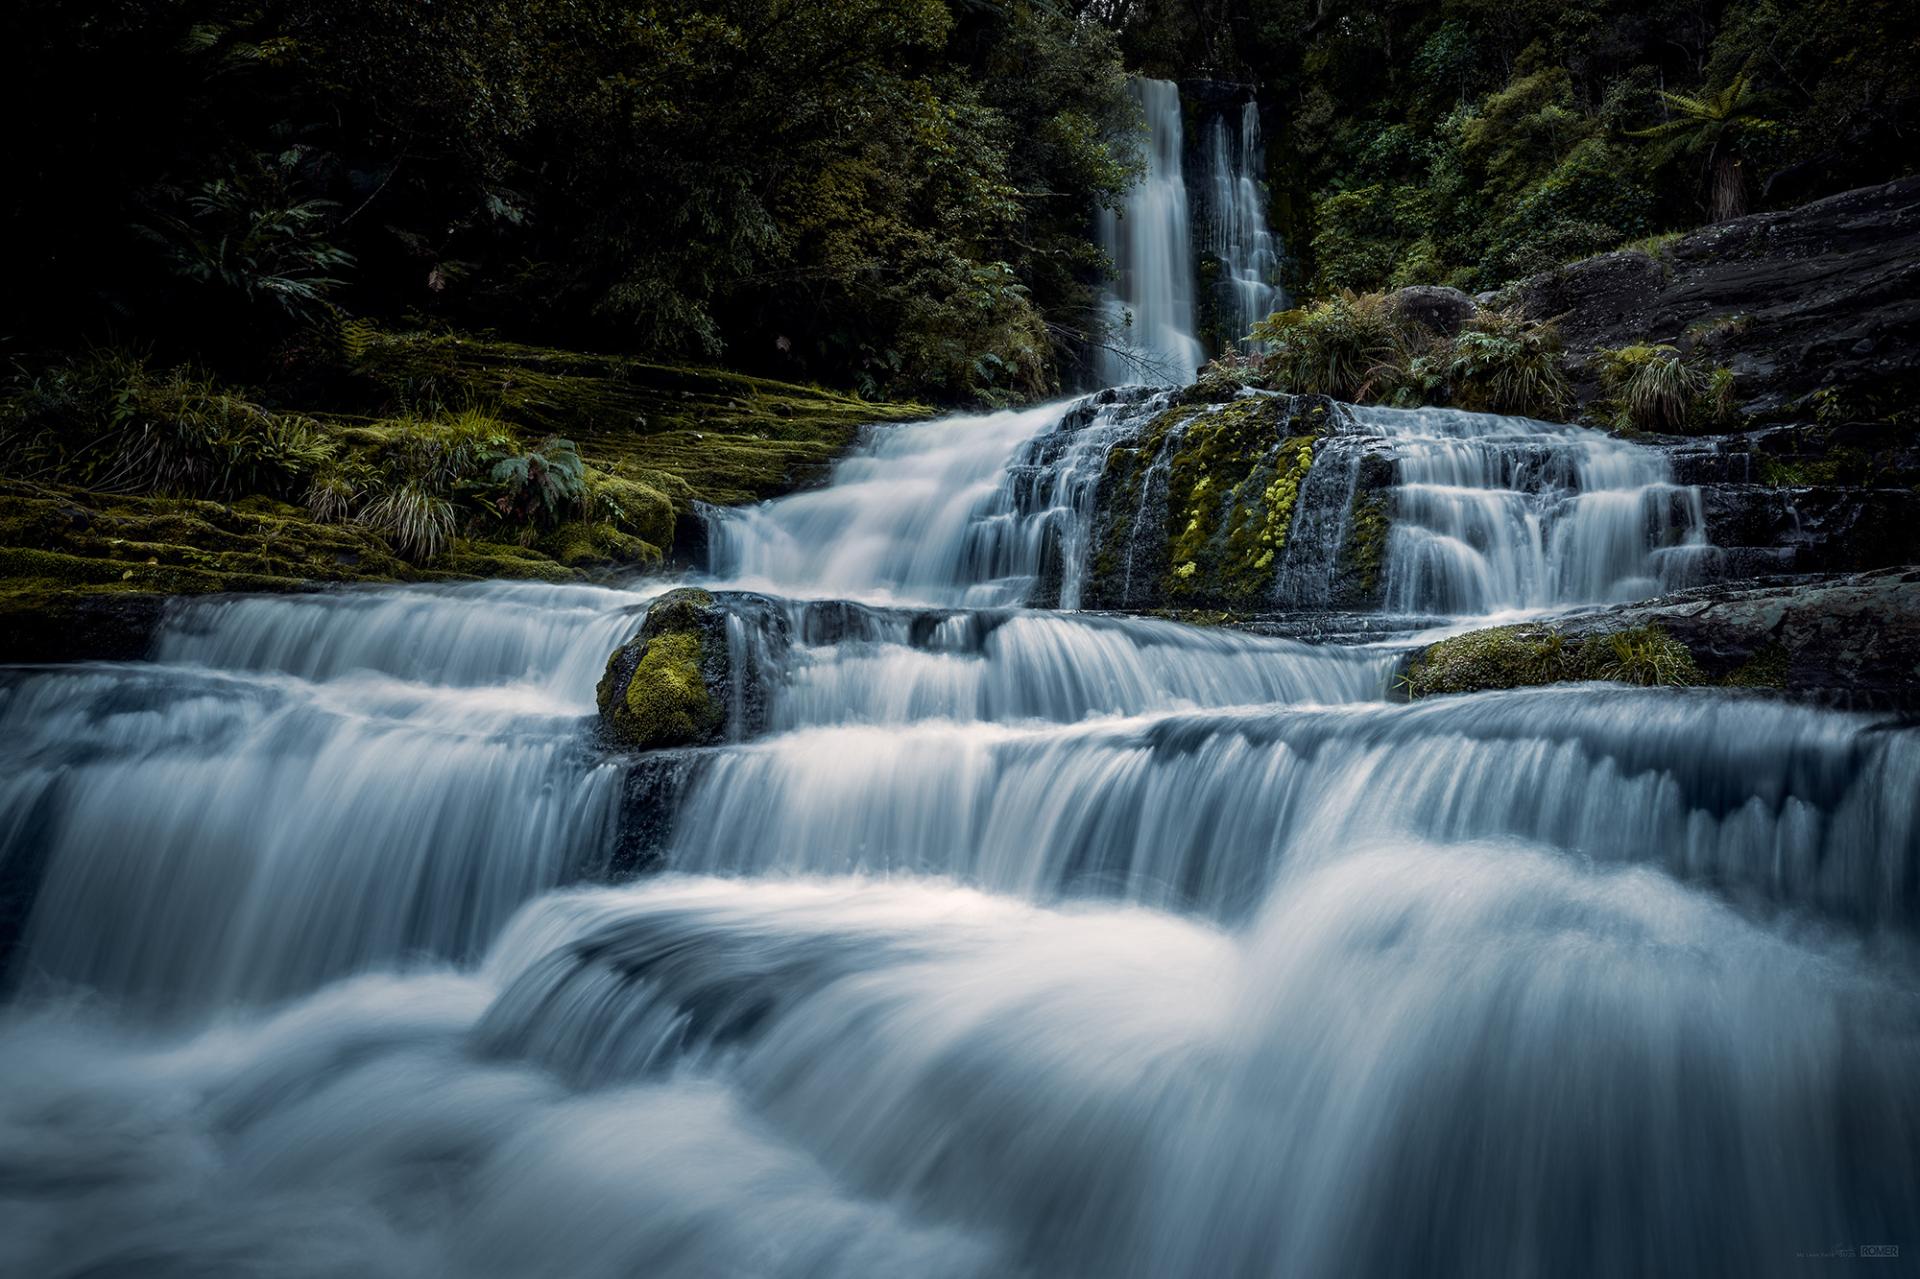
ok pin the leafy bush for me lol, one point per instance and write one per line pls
(247, 233)
(1350, 347)
(544, 486)
(1503, 363)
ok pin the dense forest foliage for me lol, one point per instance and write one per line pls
(890, 196)
(1468, 142)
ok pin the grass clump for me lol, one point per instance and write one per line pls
(1653, 385)
(1659, 387)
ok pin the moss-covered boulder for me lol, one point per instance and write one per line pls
(1844, 640)
(667, 685)
(699, 671)
(1529, 655)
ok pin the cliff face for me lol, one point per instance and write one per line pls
(1824, 298)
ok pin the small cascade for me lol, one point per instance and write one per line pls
(1203, 811)
(1322, 539)
(1013, 667)
(368, 776)
(1151, 243)
(973, 511)
(1494, 513)
(1236, 232)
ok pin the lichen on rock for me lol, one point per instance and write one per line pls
(699, 671)
(1525, 656)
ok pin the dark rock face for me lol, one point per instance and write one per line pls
(1825, 295)
(1812, 529)
(1440, 310)
(109, 626)
(1851, 640)
(694, 674)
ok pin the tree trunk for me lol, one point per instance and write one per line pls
(1728, 198)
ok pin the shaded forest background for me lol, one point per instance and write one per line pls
(888, 196)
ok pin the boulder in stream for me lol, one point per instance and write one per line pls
(696, 673)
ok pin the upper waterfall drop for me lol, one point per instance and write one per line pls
(1151, 244)
(1237, 234)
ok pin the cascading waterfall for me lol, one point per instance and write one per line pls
(1499, 513)
(1236, 232)
(1019, 942)
(1150, 240)
(305, 786)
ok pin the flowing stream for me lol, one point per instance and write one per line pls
(1023, 942)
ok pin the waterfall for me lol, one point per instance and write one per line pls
(1150, 240)
(305, 786)
(1006, 940)
(970, 510)
(1236, 227)
(1496, 513)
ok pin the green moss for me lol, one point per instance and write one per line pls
(1654, 246)
(588, 543)
(407, 491)
(1233, 482)
(1530, 655)
(695, 434)
(667, 703)
(1765, 669)
(655, 691)
(56, 539)
(1365, 552)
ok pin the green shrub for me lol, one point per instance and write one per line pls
(1350, 347)
(544, 485)
(1503, 363)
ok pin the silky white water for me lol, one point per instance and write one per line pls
(1496, 513)
(1150, 242)
(1236, 232)
(1021, 942)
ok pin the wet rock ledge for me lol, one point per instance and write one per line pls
(1847, 641)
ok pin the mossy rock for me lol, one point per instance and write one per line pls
(1527, 656)
(690, 434)
(667, 685)
(1195, 513)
